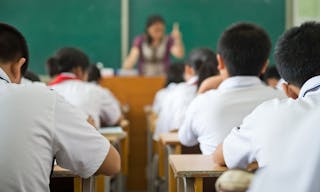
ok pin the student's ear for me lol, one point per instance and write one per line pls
(264, 67)
(222, 67)
(15, 70)
(290, 90)
(220, 60)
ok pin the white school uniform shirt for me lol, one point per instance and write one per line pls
(37, 125)
(212, 115)
(294, 162)
(174, 107)
(92, 99)
(161, 97)
(272, 121)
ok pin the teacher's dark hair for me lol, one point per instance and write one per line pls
(297, 53)
(67, 59)
(204, 63)
(13, 46)
(153, 19)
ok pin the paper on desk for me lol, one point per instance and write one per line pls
(111, 130)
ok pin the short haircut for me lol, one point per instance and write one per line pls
(175, 73)
(245, 48)
(94, 74)
(67, 59)
(271, 73)
(31, 76)
(297, 53)
(204, 63)
(13, 46)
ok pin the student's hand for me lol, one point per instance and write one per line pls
(91, 121)
(176, 34)
(210, 83)
(218, 157)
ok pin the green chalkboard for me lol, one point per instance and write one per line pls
(92, 25)
(202, 21)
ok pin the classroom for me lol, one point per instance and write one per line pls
(159, 95)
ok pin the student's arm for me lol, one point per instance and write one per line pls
(210, 83)
(177, 48)
(237, 149)
(78, 146)
(187, 135)
(105, 168)
(218, 156)
(131, 59)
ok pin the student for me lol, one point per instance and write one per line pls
(201, 64)
(272, 78)
(37, 125)
(294, 163)
(95, 101)
(174, 77)
(93, 74)
(277, 121)
(29, 77)
(243, 51)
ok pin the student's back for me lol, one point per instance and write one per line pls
(37, 125)
(243, 51)
(200, 65)
(95, 101)
(92, 99)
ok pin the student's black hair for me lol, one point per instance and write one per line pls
(94, 74)
(204, 63)
(13, 46)
(271, 73)
(67, 59)
(31, 76)
(175, 73)
(245, 48)
(297, 53)
(153, 19)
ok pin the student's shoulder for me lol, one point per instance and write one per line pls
(204, 99)
(273, 92)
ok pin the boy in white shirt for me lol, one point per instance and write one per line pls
(243, 51)
(37, 125)
(174, 77)
(270, 126)
(201, 64)
(95, 101)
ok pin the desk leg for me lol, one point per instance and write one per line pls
(77, 184)
(88, 185)
(172, 181)
(177, 149)
(100, 183)
(198, 184)
(161, 160)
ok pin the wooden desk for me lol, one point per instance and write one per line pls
(168, 144)
(79, 184)
(120, 142)
(187, 171)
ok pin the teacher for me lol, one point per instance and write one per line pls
(152, 50)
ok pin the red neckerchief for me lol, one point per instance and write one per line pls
(61, 78)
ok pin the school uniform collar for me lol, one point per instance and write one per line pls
(312, 85)
(62, 77)
(240, 82)
(193, 80)
(4, 77)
